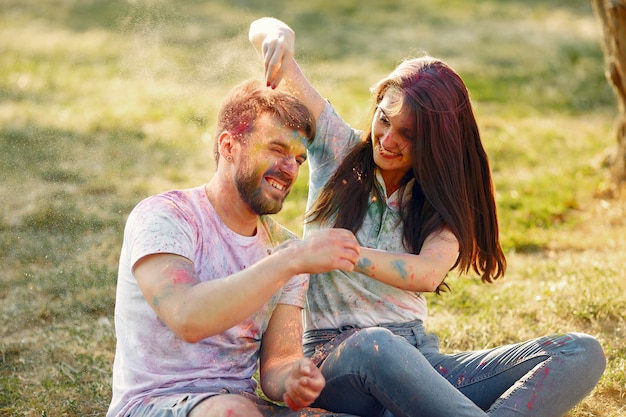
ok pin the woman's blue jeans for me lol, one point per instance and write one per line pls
(398, 371)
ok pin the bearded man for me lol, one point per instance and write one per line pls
(210, 289)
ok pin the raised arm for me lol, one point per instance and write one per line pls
(194, 310)
(274, 41)
(423, 272)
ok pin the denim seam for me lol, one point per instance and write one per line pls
(498, 403)
(485, 376)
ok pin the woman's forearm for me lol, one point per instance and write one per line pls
(423, 272)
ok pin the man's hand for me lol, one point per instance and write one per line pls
(303, 385)
(330, 249)
(323, 251)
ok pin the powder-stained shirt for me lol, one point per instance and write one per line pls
(150, 359)
(339, 298)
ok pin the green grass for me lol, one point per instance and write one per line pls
(103, 103)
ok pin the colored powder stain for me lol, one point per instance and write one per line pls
(564, 340)
(182, 277)
(443, 370)
(531, 403)
(365, 263)
(249, 328)
(400, 266)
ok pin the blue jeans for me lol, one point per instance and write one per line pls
(398, 371)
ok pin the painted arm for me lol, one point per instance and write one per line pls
(194, 310)
(284, 373)
(274, 41)
(423, 272)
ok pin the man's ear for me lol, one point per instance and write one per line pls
(225, 144)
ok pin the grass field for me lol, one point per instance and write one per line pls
(103, 103)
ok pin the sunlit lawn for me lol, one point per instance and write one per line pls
(103, 103)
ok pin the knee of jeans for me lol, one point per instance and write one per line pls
(372, 343)
(580, 354)
(591, 351)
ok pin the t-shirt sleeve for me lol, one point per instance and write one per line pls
(334, 138)
(159, 224)
(294, 291)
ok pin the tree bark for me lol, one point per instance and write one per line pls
(612, 16)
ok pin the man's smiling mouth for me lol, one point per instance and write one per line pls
(277, 185)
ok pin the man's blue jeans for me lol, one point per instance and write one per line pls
(398, 371)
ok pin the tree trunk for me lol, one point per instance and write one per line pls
(612, 16)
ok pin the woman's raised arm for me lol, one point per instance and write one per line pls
(274, 40)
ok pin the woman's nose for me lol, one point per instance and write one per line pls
(386, 139)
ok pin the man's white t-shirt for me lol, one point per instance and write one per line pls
(149, 358)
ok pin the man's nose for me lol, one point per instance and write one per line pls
(289, 165)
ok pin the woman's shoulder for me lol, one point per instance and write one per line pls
(276, 231)
(334, 136)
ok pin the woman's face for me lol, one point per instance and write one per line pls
(390, 138)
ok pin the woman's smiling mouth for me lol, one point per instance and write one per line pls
(385, 153)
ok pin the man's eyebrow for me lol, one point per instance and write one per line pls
(285, 144)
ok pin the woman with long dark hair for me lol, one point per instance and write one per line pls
(415, 188)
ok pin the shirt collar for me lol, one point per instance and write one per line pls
(393, 201)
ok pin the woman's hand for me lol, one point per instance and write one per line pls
(274, 40)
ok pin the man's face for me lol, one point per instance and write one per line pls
(270, 161)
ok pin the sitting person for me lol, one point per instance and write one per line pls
(210, 289)
(416, 189)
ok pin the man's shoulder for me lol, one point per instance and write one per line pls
(174, 197)
(183, 194)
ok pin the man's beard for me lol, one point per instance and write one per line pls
(252, 194)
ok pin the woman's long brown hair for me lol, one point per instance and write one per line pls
(453, 186)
